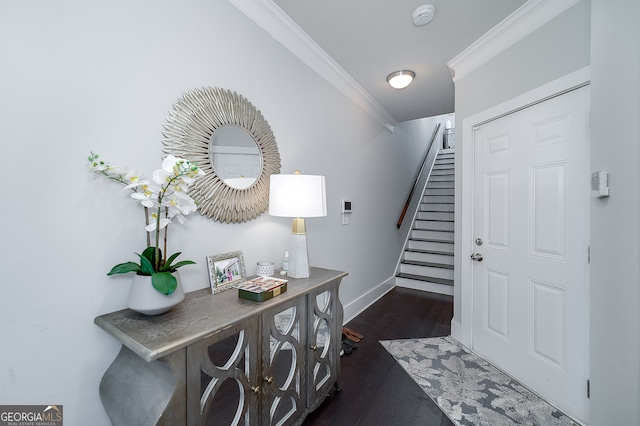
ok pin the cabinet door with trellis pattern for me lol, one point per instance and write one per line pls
(222, 372)
(325, 328)
(284, 392)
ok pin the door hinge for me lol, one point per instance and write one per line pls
(589, 255)
(588, 388)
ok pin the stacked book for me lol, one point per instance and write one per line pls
(261, 288)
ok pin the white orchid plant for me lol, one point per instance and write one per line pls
(164, 199)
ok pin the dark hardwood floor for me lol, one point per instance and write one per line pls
(376, 390)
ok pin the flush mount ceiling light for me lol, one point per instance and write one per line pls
(401, 79)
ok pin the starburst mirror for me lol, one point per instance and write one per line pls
(224, 134)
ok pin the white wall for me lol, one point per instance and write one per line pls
(615, 221)
(603, 34)
(79, 76)
(556, 49)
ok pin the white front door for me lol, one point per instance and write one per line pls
(531, 227)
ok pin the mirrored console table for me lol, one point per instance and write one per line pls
(218, 359)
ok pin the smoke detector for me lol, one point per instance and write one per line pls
(424, 14)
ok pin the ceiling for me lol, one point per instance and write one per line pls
(369, 39)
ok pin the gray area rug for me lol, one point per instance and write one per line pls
(468, 389)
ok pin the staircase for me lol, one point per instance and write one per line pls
(427, 261)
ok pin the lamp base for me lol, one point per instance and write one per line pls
(298, 257)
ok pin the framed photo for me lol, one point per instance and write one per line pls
(226, 270)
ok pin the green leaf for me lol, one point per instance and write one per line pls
(164, 282)
(123, 268)
(146, 265)
(167, 266)
(150, 254)
(182, 263)
(171, 268)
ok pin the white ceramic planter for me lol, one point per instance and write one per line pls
(145, 299)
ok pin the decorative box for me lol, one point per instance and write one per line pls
(260, 289)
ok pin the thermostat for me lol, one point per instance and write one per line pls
(346, 206)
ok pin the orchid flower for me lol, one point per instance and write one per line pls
(167, 195)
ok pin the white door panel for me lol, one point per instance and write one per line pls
(531, 210)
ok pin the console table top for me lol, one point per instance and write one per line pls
(199, 315)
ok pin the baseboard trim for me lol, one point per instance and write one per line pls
(456, 330)
(351, 310)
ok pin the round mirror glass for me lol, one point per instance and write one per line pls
(235, 156)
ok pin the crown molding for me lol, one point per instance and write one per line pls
(281, 27)
(525, 20)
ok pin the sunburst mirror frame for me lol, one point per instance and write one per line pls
(188, 130)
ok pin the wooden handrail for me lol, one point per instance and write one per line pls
(415, 182)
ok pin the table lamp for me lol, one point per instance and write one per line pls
(298, 196)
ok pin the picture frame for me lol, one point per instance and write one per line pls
(226, 270)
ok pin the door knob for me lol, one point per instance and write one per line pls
(477, 256)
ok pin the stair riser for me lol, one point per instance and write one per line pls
(439, 191)
(445, 172)
(426, 207)
(432, 235)
(425, 286)
(434, 216)
(436, 184)
(428, 257)
(444, 167)
(441, 178)
(437, 199)
(426, 271)
(433, 225)
(444, 246)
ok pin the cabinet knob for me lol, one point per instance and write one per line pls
(314, 347)
(255, 389)
(268, 379)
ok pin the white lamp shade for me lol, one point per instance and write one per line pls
(297, 196)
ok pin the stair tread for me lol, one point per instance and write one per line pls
(428, 264)
(443, 281)
(444, 253)
(436, 203)
(430, 240)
